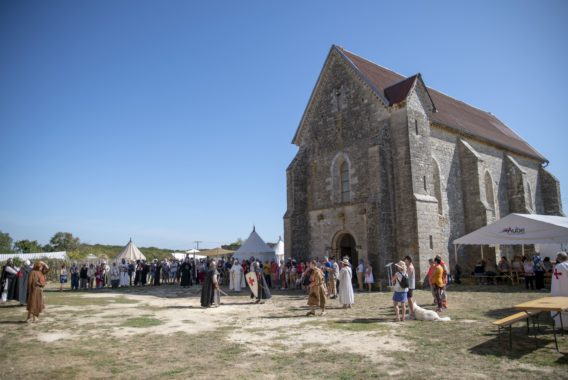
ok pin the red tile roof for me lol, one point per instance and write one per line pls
(451, 113)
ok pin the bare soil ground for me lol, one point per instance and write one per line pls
(163, 332)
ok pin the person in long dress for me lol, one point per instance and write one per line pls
(185, 273)
(346, 296)
(36, 283)
(23, 275)
(236, 276)
(559, 286)
(369, 279)
(8, 281)
(123, 273)
(210, 295)
(316, 296)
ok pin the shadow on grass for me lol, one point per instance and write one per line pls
(11, 306)
(366, 320)
(19, 322)
(523, 345)
(494, 289)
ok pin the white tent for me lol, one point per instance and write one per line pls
(520, 229)
(279, 249)
(130, 253)
(192, 253)
(34, 256)
(255, 247)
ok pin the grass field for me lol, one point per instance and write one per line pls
(162, 332)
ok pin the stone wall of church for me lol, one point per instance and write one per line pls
(454, 179)
(348, 124)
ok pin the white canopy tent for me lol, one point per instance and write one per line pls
(519, 229)
(255, 247)
(35, 256)
(192, 253)
(130, 253)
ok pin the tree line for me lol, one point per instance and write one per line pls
(77, 250)
(65, 241)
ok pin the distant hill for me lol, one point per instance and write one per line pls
(111, 251)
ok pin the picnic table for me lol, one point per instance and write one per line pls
(555, 305)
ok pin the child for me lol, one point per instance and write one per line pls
(369, 279)
(399, 296)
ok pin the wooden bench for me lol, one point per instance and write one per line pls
(507, 322)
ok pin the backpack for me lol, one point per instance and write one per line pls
(403, 281)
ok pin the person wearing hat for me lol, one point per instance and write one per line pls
(346, 296)
(400, 282)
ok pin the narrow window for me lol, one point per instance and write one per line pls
(529, 194)
(431, 242)
(424, 181)
(437, 186)
(344, 174)
(416, 125)
(489, 195)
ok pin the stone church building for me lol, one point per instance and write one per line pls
(388, 167)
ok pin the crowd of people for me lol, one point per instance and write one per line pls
(321, 280)
(532, 269)
(25, 285)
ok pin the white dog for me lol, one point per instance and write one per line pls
(422, 314)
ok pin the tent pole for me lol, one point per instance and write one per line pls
(523, 249)
(481, 252)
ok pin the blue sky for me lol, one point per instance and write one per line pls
(171, 121)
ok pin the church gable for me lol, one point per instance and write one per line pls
(335, 111)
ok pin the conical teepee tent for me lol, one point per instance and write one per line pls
(130, 253)
(255, 247)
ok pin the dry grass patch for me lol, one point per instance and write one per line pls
(162, 332)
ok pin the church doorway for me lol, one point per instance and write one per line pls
(345, 246)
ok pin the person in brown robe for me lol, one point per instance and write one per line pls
(36, 283)
(316, 295)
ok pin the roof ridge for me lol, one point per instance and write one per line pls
(406, 77)
(376, 64)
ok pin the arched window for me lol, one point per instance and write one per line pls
(489, 194)
(437, 186)
(344, 181)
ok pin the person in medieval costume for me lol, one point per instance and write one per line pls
(210, 295)
(8, 282)
(114, 276)
(263, 291)
(157, 272)
(316, 288)
(346, 296)
(236, 276)
(74, 270)
(144, 276)
(559, 286)
(331, 278)
(23, 274)
(106, 273)
(123, 268)
(185, 271)
(36, 283)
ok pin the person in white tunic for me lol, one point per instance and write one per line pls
(123, 273)
(236, 276)
(346, 297)
(559, 286)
